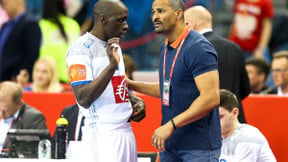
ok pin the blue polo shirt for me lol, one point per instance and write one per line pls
(196, 57)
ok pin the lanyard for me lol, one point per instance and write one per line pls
(175, 58)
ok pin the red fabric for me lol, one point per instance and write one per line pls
(247, 25)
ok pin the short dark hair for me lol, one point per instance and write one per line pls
(228, 100)
(262, 65)
(176, 4)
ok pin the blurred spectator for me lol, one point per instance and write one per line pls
(76, 121)
(129, 66)
(45, 77)
(81, 11)
(58, 31)
(20, 39)
(241, 142)
(258, 70)
(3, 16)
(34, 9)
(279, 68)
(232, 72)
(279, 37)
(15, 114)
(251, 27)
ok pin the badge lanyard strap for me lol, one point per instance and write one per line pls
(175, 58)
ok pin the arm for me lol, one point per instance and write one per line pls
(209, 98)
(86, 94)
(150, 89)
(264, 38)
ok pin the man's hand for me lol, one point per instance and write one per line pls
(139, 110)
(161, 134)
(22, 78)
(112, 51)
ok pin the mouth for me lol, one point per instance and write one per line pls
(157, 24)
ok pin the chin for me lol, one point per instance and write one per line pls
(158, 31)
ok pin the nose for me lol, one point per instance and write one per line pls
(155, 16)
(125, 26)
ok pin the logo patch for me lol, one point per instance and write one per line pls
(120, 89)
(88, 43)
(77, 72)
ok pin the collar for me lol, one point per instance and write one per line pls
(280, 92)
(11, 118)
(205, 31)
(176, 43)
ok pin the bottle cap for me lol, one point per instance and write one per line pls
(62, 121)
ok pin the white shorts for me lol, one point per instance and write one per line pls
(110, 146)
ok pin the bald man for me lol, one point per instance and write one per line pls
(97, 74)
(20, 40)
(15, 114)
(232, 73)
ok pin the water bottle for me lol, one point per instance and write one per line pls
(61, 138)
(44, 149)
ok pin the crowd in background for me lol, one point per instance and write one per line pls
(60, 22)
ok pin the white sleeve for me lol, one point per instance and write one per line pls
(79, 67)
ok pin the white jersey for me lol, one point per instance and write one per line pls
(86, 59)
(246, 144)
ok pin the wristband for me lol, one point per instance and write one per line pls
(174, 126)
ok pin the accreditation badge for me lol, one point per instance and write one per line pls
(166, 92)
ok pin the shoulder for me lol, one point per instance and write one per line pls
(249, 134)
(68, 21)
(81, 46)
(70, 109)
(31, 110)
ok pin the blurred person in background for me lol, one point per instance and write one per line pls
(15, 114)
(252, 26)
(279, 68)
(58, 31)
(3, 16)
(258, 71)
(20, 39)
(231, 63)
(44, 77)
(240, 142)
(81, 11)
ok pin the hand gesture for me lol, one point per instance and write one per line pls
(139, 110)
(112, 51)
(22, 78)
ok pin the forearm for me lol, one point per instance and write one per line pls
(88, 93)
(150, 89)
(265, 33)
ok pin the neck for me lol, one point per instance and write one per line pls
(175, 32)
(16, 13)
(258, 87)
(98, 33)
(232, 130)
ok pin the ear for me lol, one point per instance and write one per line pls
(179, 13)
(103, 19)
(235, 112)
